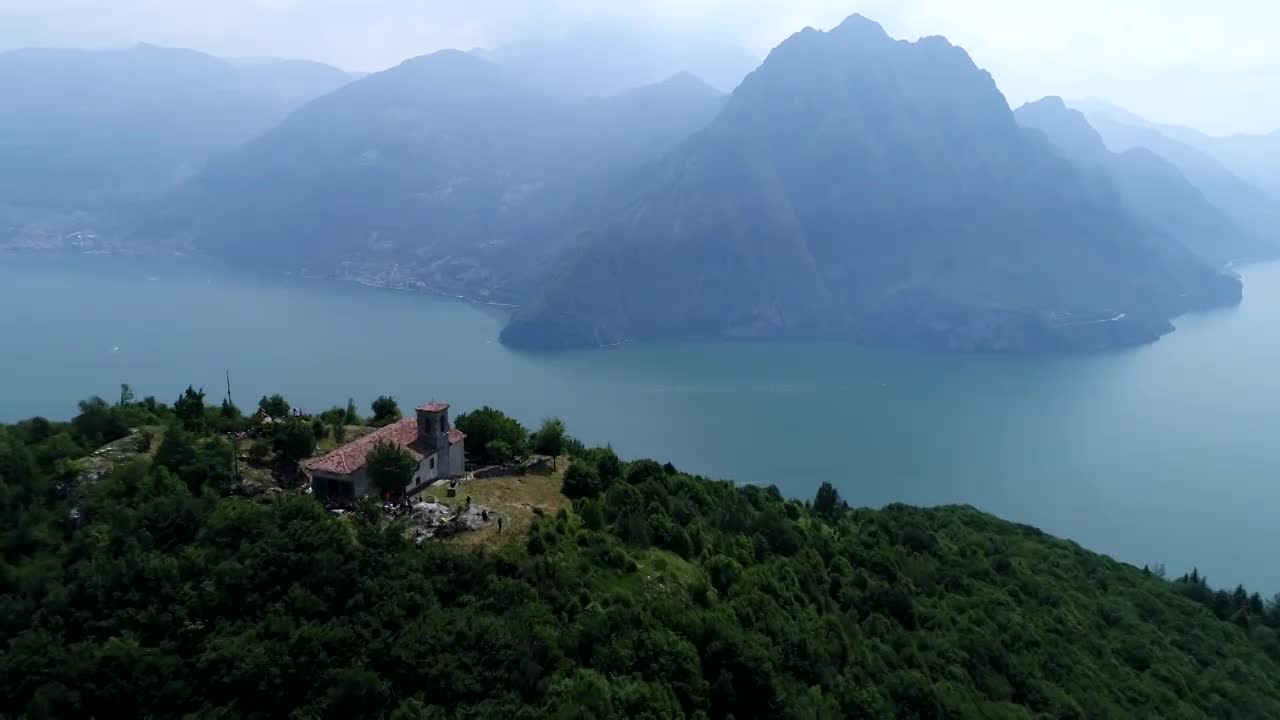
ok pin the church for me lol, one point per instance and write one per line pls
(434, 444)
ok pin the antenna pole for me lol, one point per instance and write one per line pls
(235, 440)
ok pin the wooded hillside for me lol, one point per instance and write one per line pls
(658, 594)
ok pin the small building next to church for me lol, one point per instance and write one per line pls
(437, 447)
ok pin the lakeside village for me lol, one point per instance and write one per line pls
(414, 468)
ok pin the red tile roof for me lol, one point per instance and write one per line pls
(434, 407)
(351, 457)
(456, 436)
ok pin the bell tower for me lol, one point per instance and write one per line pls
(433, 426)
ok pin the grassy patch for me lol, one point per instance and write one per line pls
(156, 433)
(518, 499)
(665, 567)
(657, 571)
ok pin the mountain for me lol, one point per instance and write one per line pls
(440, 172)
(859, 187)
(295, 82)
(1093, 107)
(1256, 212)
(436, 153)
(644, 123)
(1254, 157)
(93, 131)
(603, 59)
(1152, 188)
(613, 140)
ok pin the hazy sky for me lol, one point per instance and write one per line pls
(1213, 64)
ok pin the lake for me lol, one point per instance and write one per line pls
(1165, 453)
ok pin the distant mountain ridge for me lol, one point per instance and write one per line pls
(93, 131)
(441, 171)
(1250, 207)
(1153, 188)
(603, 59)
(860, 187)
(1255, 157)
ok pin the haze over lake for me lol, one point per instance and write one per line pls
(1165, 453)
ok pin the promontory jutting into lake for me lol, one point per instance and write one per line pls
(326, 393)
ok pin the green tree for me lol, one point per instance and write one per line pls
(189, 407)
(352, 417)
(293, 442)
(229, 411)
(641, 472)
(723, 572)
(415, 709)
(549, 439)
(827, 503)
(607, 462)
(385, 411)
(227, 419)
(486, 425)
(390, 468)
(582, 480)
(259, 451)
(622, 499)
(176, 451)
(580, 694)
(1272, 611)
(198, 462)
(98, 423)
(355, 692)
(126, 395)
(498, 451)
(591, 511)
(275, 407)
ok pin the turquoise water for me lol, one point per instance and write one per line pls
(1165, 453)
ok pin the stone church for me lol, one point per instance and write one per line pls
(434, 444)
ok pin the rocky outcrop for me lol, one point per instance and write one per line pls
(433, 520)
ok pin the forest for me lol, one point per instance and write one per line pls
(155, 587)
